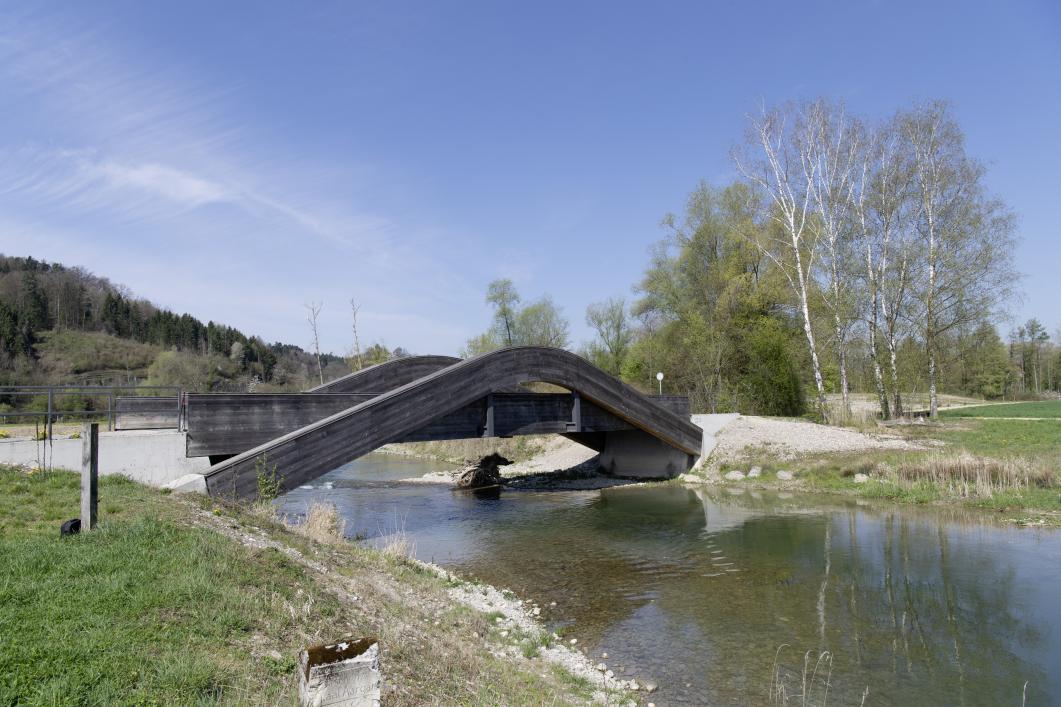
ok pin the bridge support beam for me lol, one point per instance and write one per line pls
(637, 454)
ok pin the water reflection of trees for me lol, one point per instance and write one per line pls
(912, 607)
(915, 608)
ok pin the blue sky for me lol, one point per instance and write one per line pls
(236, 160)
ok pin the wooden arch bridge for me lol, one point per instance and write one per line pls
(420, 398)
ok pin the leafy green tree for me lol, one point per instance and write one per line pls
(503, 296)
(542, 323)
(539, 323)
(35, 312)
(988, 370)
(611, 322)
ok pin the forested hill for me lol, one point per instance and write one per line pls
(59, 323)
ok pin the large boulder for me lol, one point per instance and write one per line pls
(483, 473)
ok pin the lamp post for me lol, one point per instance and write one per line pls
(659, 377)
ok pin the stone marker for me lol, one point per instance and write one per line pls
(344, 673)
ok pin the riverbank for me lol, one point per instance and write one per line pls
(1009, 466)
(182, 599)
(1006, 465)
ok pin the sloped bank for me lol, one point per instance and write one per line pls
(181, 599)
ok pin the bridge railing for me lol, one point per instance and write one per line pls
(119, 405)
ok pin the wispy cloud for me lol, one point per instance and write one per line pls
(157, 179)
(165, 182)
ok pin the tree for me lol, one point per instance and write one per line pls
(611, 322)
(989, 371)
(778, 160)
(883, 208)
(966, 238)
(503, 296)
(35, 311)
(354, 309)
(541, 323)
(1036, 336)
(314, 309)
(707, 292)
(833, 145)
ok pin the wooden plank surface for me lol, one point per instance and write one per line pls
(387, 375)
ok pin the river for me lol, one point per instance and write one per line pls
(711, 592)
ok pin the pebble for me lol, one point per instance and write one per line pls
(650, 687)
(734, 475)
(755, 472)
(537, 611)
(552, 603)
(609, 674)
(861, 478)
(573, 641)
(603, 655)
(784, 476)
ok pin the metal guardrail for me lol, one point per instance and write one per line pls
(51, 413)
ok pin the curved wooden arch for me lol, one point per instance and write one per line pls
(387, 375)
(318, 448)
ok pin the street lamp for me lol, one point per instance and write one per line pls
(659, 377)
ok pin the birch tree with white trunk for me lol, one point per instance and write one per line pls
(967, 239)
(775, 160)
(884, 213)
(313, 311)
(831, 143)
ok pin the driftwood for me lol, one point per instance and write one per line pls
(483, 473)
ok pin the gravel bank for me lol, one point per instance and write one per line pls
(789, 439)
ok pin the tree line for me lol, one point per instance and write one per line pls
(37, 296)
(849, 256)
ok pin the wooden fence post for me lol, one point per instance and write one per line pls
(89, 474)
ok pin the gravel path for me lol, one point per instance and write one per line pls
(789, 439)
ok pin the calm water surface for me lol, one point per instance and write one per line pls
(698, 590)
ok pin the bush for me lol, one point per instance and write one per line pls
(772, 383)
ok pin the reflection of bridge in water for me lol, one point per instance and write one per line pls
(425, 398)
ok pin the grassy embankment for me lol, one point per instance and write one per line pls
(167, 603)
(1004, 458)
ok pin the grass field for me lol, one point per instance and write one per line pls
(1044, 408)
(159, 607)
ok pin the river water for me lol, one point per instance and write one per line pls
(710, 593)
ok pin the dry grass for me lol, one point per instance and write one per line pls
(398, 545)
(323, 523)
(814, 681)
(968, 476)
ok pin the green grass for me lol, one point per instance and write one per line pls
(1036, 440)
(1045, 408)
(158, 607)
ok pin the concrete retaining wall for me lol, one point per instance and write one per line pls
(153, 457)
